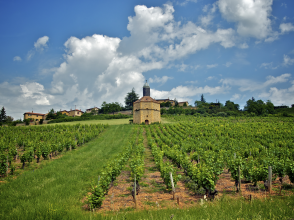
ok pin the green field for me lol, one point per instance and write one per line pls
(57, 190)
(59, 187)
(110, 122)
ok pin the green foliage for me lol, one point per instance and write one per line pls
(202, 99)
(107, 108)
(163, 111)
(165, 104)
(130, 98)
(231, 106)
(259, 107)
(51, 115)
(109, 173)
(3, 115)
(93, 117)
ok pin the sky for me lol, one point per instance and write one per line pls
(62, 54)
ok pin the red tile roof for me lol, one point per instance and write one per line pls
(31, 113)
(77, 110)
(146, 99)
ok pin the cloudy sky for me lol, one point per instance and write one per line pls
(58, 54)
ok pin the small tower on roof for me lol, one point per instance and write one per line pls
(146, 89)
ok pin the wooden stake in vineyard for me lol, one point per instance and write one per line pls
(135, 199)
(270, 179)
(239, 178)
(172, 183)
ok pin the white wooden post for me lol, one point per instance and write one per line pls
(172, 182)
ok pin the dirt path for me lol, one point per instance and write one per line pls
(153, 192)
(226, 185)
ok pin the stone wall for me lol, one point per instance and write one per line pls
(146, 111)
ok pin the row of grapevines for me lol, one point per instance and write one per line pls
(45, 141)
(203, 174)
(137, 158)
(251, 145)
(109, 173)
(164, 167)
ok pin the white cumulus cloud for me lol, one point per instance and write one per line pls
(250, 85)
(288, 60)
(17, 58)
(35, 91)
(161, 80)
(235, 97)
(211, 66)
(251, 16)
(286, 27)
(41, 43)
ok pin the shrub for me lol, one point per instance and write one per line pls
(221, 114)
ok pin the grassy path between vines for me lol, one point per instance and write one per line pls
(56, 190)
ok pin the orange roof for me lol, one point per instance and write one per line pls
(146, 99)
(31, 113)
(77, 110)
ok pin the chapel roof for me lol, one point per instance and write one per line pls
(146, 99)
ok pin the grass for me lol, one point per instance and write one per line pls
(58, 187)
(110, 122)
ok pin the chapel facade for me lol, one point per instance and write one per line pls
(146, 109)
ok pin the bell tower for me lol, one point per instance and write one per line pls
(146, 89)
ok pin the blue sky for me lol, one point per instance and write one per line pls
(58, 54)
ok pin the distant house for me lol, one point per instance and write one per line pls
(89, 110)
(64, 112)
(281, 106)
(182, 103)
(166, 100)
(75, 112)
(34, 116)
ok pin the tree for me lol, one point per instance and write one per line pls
(202, 99)
(3, 115)
(163, 111)
(198, 103)
(270, 107)
(257, 107)
(51, 115)
(9, 119)
(130, 98)
(110, 107)
(176, 102)
(232, 106)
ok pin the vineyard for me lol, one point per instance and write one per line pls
(24, 144)
(197, 153)
(189, 163)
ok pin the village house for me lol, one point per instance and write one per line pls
(33, 116)
(75, 112)
(166, 100)
(183, 103)
(89, 110)
(64, 112)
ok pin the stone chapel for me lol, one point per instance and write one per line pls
(146, 109)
